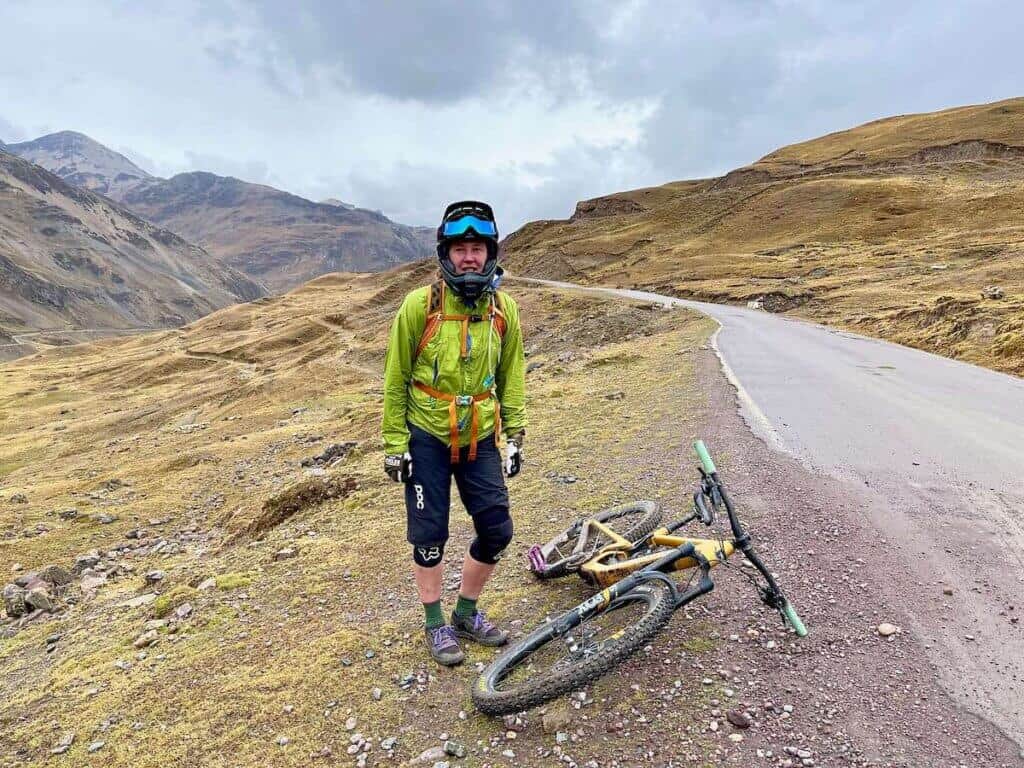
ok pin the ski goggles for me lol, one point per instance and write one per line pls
(463, 224)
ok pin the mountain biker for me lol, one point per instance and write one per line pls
(454, 379)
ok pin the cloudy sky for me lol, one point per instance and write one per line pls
(531, 105)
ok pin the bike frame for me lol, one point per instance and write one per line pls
(590, 526)
(617, 569)
(607, 567)
(655, 571)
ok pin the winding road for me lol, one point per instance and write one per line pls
(932, 451)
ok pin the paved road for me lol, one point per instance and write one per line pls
(933, 451)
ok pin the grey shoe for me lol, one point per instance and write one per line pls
(478, 629)
(444, 646)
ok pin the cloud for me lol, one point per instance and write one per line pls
(417, 193)
(531, 105)
(429, 52)
(10, 133)
(147, 164)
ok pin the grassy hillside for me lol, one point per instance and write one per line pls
(909, 228)
(181, 451)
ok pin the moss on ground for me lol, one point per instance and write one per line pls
(233, 580)
(172, 599)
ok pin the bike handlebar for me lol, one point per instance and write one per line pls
(704, 456)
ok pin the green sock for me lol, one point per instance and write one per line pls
(465, 607)
(435, 618)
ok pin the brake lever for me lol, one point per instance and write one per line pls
(700, 506)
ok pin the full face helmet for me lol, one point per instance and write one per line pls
(468, 220)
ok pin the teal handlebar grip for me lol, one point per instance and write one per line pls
(704, 456)
(794, 621)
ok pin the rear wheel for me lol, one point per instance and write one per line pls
(548, 662)
(631, 521)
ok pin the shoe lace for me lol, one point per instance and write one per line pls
(480, 623)
(444, 638)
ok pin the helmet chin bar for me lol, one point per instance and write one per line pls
(469, 286)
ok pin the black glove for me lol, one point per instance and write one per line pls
(514, 453)
(398, 467)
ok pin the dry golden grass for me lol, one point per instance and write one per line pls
(895, 138)
(204, 427)
(891, 229)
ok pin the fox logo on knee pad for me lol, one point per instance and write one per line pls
(429, 554)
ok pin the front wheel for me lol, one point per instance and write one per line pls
(555, 659)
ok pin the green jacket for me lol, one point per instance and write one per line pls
(441, 366)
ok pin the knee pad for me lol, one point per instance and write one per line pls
(493, 534)
(428, 555)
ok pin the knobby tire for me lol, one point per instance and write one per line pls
(551, 684)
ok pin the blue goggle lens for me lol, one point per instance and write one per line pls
(463, 224)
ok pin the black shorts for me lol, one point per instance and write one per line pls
(481, 485)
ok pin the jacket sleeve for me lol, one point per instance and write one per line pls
(511, 376)
(405, 332)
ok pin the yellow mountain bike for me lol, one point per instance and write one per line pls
(622, 551)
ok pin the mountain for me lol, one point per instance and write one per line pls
(72, 260)
(909, 228)
(339, 203)
(277, 238)
(83, 162)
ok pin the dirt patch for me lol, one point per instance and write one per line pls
(595, 323)
(742, 177)
(963, 151)
(189, 460)
(605, 206)
(782, 302)
(297, 497)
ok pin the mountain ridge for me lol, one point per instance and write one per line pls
(274, 236)
(82, 161)
(71, 259)
(910, 228)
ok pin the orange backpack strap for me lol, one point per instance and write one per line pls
(435, 313)
(453, 418)
(436, 316)
(500, 325)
